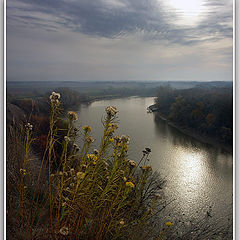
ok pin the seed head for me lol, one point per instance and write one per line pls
(89, 139)
(122, 222)
(66, 139)
(111, 111)
(54, 97)
(132, 163)
(72, 116)
(146, 168)
(125, 139)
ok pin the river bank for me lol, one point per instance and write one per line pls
(195, 134)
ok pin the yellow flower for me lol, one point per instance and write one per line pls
(90, 156)
(111, 140)
(23, 171)
(169, 224)
(87, 128)
(81, 175)
(130, 184)
(126, 147)
(94, 163)
(112, 129)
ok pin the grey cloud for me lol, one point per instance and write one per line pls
(101, 18)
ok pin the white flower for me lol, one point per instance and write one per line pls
(64, 231)
(29, 127)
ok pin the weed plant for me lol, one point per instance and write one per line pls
(91, 194)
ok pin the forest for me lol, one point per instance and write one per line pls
(209, 110)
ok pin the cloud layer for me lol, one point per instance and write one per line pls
(107, 24)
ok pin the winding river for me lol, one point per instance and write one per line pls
(198, 175)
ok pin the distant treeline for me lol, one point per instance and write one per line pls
(208, 110)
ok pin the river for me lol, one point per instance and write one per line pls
(198, 175)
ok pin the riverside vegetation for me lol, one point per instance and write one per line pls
(78, 192)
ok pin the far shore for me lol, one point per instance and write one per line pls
(195, 134)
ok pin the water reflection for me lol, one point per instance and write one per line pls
(174, 135)
(198, 175)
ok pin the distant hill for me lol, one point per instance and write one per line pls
(121, 88)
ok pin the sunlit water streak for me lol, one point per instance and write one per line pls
(198, 175)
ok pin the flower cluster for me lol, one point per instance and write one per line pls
(92, 157)
(54, 97)
(72, 116)
(29, 127)
(23, 171)
(111, 111)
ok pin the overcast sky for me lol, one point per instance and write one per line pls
(83, 40)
